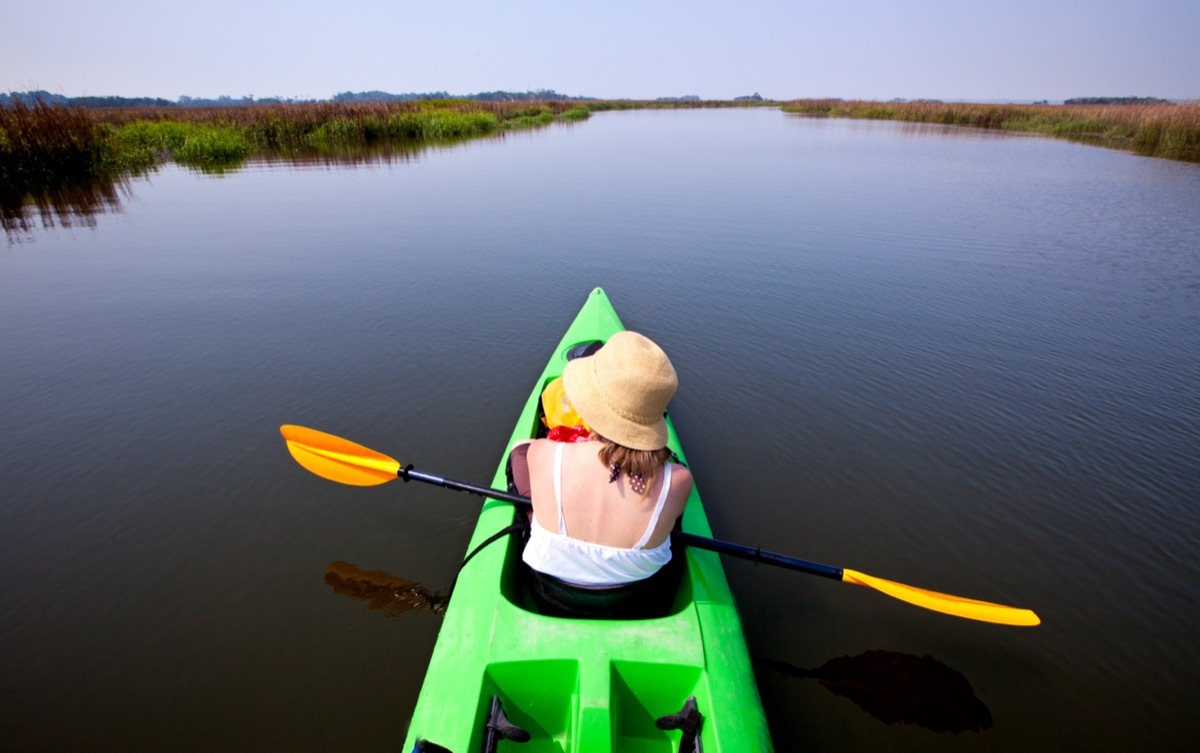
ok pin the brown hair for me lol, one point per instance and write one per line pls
(644, 463)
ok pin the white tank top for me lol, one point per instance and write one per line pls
(586, 564)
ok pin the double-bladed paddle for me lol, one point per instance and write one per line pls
(347, 462)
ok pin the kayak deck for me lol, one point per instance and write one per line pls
(586, 684)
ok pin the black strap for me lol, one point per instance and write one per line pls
(520, 526)
(514, 528)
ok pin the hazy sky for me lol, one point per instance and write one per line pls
(968, 49)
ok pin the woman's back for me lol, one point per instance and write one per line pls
(595, 510)
(604, 508)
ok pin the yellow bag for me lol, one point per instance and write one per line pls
(557, 408)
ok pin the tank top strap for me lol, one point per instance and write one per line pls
(658, 508)
(558, 456)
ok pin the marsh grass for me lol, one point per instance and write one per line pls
(143, 144)
(576, 113)
(528, 117)
(47, 152)
(45, 143)
(39, 144)
(1159, 130)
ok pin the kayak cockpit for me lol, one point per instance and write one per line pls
(665, 593)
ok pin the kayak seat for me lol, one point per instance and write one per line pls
(644, 599)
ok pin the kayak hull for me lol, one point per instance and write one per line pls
(586, 685)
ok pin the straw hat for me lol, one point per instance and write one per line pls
(622, 391)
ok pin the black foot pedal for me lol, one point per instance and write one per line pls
(690, 720)
(499, 728)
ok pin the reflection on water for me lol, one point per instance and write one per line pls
(79, 203)
(356, 155)
(382, 591)
(898, 688)
(74, 204)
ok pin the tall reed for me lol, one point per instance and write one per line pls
(40, 143)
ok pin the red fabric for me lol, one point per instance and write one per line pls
(569, 434)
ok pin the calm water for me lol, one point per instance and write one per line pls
(959, 360)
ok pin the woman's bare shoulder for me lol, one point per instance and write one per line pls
(540, 449)
(681, 485)
(681, 475)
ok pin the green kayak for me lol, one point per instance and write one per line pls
(680, 682)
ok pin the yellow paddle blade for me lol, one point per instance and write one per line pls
(338, 459)
(985, 611)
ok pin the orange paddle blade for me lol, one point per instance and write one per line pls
(959, 606)
(338, 459)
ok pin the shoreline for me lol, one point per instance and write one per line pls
(48, 152)
(1168, 131)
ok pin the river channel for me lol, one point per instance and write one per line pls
(962, 360)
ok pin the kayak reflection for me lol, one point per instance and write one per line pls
(900, 688)
(893, 687)
(382, 591)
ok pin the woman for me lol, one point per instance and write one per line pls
(603, 509)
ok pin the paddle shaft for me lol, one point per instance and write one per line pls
(754, 554)
(741, 551)
(411, 474)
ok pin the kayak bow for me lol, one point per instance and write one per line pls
(670, 683)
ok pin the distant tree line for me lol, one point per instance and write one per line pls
(33, 97)
(543, 95)
(539, 95)
(755, 97)
(1116, 101)
(378, 96)
(226, 101)
(118, 102)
